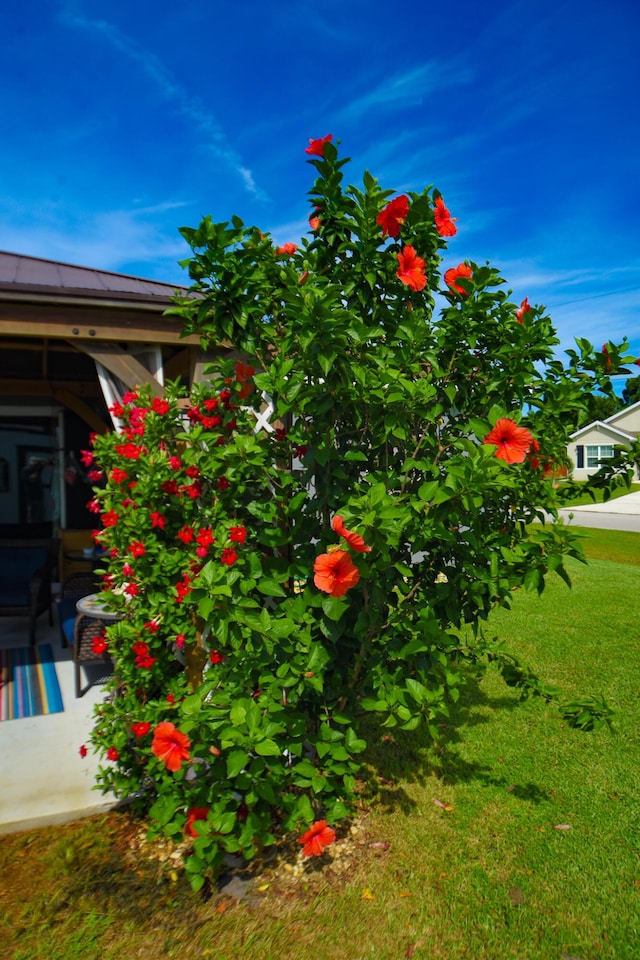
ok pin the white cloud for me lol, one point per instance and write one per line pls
(189, 107)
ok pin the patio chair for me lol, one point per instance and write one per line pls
(85, 631)
(75, 586)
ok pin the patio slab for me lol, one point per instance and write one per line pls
(44, 779)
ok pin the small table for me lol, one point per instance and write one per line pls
(92, 606)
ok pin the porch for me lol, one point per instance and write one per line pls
(44, 778)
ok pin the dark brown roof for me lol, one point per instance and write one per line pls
(22, 275)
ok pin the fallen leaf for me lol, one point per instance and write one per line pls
(410, 951)
(562, 826)
(443, 876)
(367, 895)
(443, 806)
(263, 887)
(380, 844)
(222, 906)
(516, 896)
(388, 783)
(405, 893)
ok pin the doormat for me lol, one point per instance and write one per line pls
(28, 683)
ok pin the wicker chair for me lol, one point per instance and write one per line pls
(86, 630)
(75, 587)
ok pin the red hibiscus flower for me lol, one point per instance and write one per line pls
(130, 451)
(170, 745)
(216, 657)
(229, 556)
(445, 223)
(99, 645)
(316, 147)
(157, 520)
(141, 728)
(198, 814)
(132, 589)
(354, 540)
(237, 534)
(393, 216)
(83, 751)
(112, 754)
(158, 405)
(317, 838)
(335, 573)
(524, 308)
(137, 549)
(223, 484)
(110, 518)
(180, 641)
(86, 457)
(512, 442)
(287, 249)
(186, 534)
(462, 271)
(411, 269)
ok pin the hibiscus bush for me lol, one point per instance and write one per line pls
(284, 586)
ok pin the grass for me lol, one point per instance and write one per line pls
(490, 879)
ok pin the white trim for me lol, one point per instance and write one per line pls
(595, 424)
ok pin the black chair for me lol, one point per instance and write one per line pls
(76, 586)
(85, 631)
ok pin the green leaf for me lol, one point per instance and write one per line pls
(236, 761)
(271, 588)
(334, 607)
(268, 748)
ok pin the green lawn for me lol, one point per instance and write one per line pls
(492, 878)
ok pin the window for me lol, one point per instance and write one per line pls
(598, 452)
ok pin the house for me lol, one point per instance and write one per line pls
(72, 339)
(595, 442)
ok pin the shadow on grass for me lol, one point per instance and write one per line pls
(395, 756)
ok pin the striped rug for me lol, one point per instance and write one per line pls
(28, 683)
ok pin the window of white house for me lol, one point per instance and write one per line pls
(597, 453)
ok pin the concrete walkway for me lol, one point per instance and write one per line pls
(43, 778)
(620, 514)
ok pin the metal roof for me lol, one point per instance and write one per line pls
(22, 275)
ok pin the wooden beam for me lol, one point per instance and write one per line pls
(122, 365)
(75, 324)
(84, 411)
(178, 365)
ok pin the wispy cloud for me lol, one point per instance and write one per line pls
(409, 88)
(189, 107)
(121, 240)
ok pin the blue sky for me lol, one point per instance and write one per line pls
(127, 120)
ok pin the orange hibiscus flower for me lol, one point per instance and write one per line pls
(335, 573)
(316, 147)
(411, 269)
(513, 442)
(195, 814)
(317, 838)
(445, 223)
(170, 745)
(354, 540)
(462, 271)
(525, 307)
(393, 215)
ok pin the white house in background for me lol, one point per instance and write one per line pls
(592, 444)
